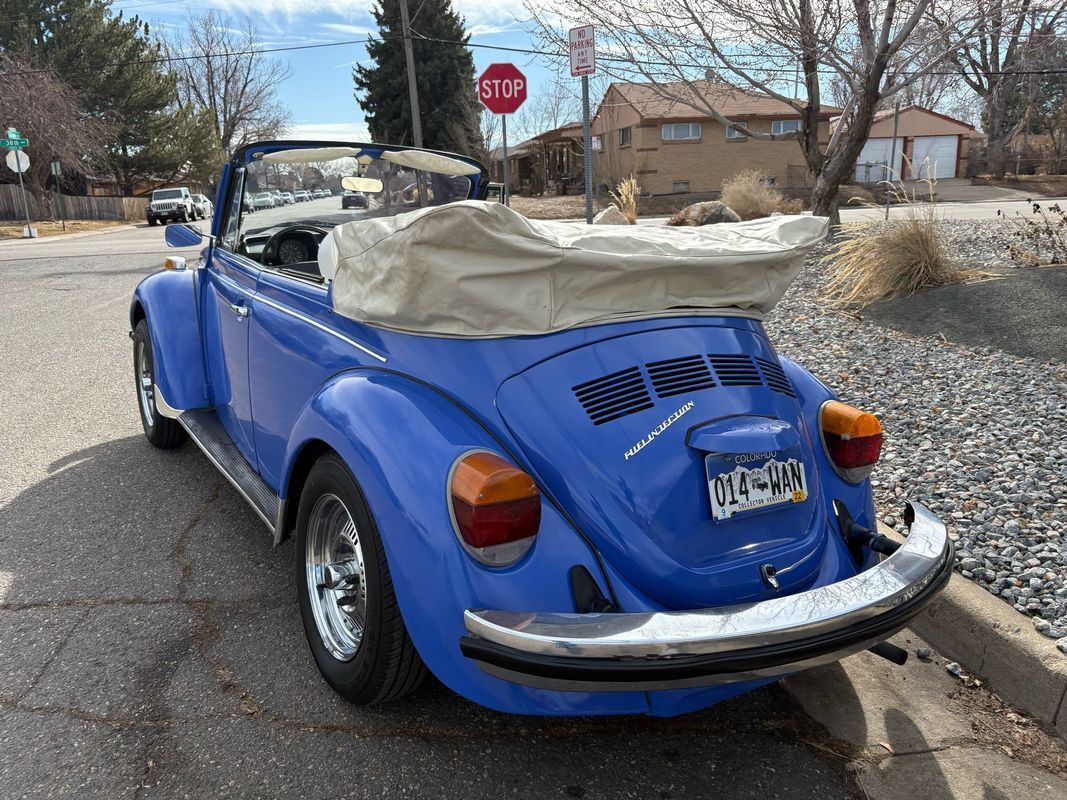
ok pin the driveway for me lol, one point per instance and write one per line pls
(150, 644)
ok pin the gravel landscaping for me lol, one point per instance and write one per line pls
(977, 435)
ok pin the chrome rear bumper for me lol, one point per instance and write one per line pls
(674, 649)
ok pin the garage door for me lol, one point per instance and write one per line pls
(935, 156)
(873, 164)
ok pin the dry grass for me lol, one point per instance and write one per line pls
(748, 195)
(900, 259)
(13, 230)
(625, 197)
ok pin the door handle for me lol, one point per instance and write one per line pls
(240, 311)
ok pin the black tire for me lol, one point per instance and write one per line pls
(183, 216)
(163, 432)
(386, 666)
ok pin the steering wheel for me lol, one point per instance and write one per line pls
(293, 245)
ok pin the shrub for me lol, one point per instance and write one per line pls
(902, 258)
(748, 194)
(625, 197)
(790, 206)
(1042, 236)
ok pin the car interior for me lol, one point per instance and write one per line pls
(289, 235)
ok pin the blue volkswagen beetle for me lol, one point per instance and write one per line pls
(560, 467)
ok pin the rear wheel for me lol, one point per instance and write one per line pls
(345, 592)
(163, 432)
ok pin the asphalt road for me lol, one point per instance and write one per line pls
(150, 644)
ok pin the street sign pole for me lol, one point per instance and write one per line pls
(507, 182)
(25, 209)
(582, 45)
(57, 173)
(587, 151)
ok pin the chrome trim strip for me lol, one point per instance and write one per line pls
(164, 408)
(259, 298)
(778, 620)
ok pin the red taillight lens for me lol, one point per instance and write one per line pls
(496, 506)
(853, 439)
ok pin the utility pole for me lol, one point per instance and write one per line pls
(413, 90)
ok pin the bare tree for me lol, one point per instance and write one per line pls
(755, 46)
(489, 125)
(995, 62)
(47, 111)
(231, 77)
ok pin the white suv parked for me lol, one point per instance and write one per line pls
(170, 205)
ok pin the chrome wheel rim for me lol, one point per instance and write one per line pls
(145, 389)
(336, 577)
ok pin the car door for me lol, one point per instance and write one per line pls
(227, 294)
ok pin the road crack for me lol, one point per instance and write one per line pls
(177, 552)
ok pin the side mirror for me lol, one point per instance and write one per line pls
(183, 235)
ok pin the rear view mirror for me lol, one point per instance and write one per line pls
(183, 235)
(356, 184)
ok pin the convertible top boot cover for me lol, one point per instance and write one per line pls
(479, 269)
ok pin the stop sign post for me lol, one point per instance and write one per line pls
(502, 89)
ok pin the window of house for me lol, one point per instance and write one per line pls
(680, 186)
(624, 136)
(785, 126)
(733, 133)
(680, 131)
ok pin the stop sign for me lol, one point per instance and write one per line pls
(502, 88)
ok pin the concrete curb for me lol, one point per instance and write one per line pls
(62, 237)
(993, 641)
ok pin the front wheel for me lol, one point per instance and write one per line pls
(345, 592)
(161, 431)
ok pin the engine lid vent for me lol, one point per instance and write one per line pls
(614, 395)
(735, 370)
(679, 375)
(775, 376)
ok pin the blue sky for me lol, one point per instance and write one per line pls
(319, 93)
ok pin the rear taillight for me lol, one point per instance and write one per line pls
(853, 439)
(496, 508)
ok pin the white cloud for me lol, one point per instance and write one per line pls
(348, 30)
(474, 11)
(329, 131)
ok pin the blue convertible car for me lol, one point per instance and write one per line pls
(560, 467)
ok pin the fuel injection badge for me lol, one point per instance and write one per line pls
(637, 448)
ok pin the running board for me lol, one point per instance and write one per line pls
(205, 429)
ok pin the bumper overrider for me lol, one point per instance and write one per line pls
(710, 646)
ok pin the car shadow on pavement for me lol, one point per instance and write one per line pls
(151, 639)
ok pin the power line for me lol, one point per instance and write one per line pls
(502, 48)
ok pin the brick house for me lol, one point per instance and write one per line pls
(671, 145)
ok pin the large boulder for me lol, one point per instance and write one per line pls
(611, 216)
(711, 212)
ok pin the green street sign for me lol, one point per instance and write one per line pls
(14, 144)
(13, 133)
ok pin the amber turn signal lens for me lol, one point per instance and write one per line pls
(496, 506)
(853, 439)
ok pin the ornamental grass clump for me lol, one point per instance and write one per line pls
(625, 197)
(875, 261)
(750, 195)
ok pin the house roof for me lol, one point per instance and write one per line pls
(514, 151)
(568, 130)
(888, 114)
(650, 103)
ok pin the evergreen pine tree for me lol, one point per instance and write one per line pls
(444, 76)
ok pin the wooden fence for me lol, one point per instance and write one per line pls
(131, 208)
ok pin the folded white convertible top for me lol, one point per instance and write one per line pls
(480, 269)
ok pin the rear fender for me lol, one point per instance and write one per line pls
(858, 497)
(400, 439)
(168, 301)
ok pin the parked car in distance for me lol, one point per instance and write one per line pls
(277, 195)
(350, 199)
(318, 194)
(170, 205)
(327, 192)
(301, 196)
(562, 473)
(248, 203)
(288, 198)
(265, 200)
(202, 206)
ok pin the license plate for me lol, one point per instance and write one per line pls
(749, 488)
